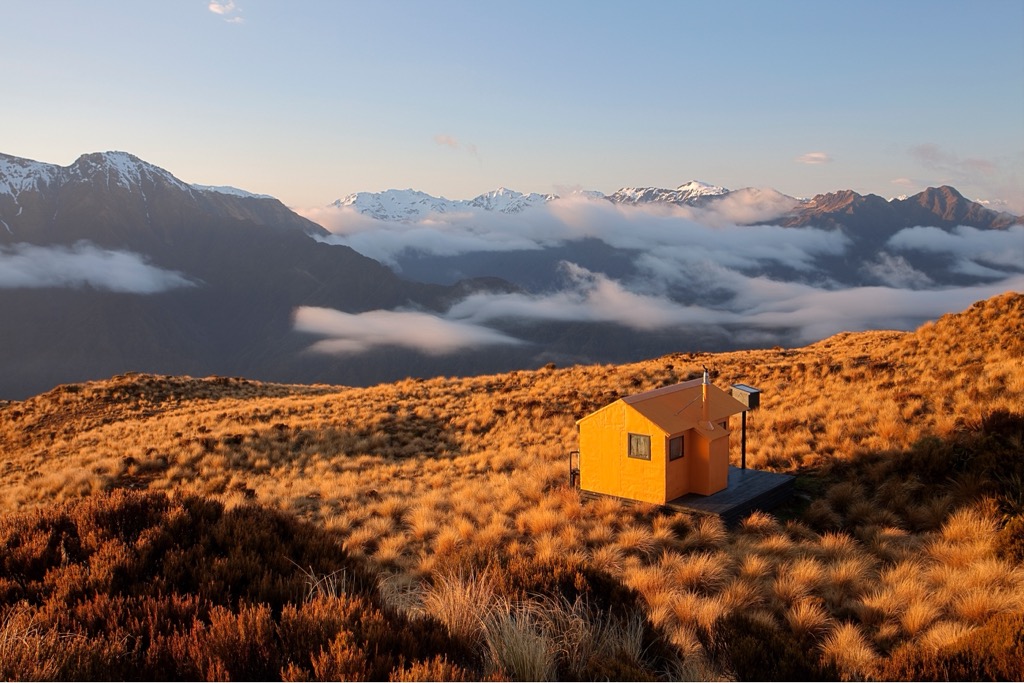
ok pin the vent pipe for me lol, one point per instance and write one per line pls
(705, 408)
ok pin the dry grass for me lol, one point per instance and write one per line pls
(850, 652)
(419, 477)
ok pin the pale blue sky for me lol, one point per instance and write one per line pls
(309, 101)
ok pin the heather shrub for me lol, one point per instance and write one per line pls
(140, 586)
(994, 651)
(756, 651)
(1011, 540)
(436, 669)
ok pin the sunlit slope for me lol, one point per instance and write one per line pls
(901, 558)
(322, 450)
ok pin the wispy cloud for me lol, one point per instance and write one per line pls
(28, 266)
(933, 156)
(813, 158)
(895, 271)
(350, 333)
(590, 297)
(447, 141)
(452, 142)
(227, 9)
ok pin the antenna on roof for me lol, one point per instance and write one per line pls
(692, 401)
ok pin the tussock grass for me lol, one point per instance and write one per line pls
(905, 435)
(849, 651)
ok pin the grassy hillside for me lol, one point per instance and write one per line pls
(901, 558)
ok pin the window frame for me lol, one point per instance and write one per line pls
(682, 448)
(629, 445)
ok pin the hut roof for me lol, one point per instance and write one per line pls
(679, 407)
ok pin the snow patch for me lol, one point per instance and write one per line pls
(229, 190)
(18, 175)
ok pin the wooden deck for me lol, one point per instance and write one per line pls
(748, 490)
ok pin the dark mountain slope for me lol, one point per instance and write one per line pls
(250, 259)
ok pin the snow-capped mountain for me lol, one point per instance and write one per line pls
(397, 205)
(112, 264)
(413, 205)
(34, 196)
(692, 193)
(509, 201)
(110, 169)
(119, 169)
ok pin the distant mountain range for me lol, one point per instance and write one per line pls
(941, 207)
(868, 221)
(413, 205)
(112, 264)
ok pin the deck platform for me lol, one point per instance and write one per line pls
(748, 490)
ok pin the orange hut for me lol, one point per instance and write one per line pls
(659, 445)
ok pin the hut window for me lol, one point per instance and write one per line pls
(675, 448)
(640, 446)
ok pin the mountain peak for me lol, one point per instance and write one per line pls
(941, 198)
(413, 205)
(698, 188)
(946, 206)
(505, 200)
(120, 168)
(692, 193)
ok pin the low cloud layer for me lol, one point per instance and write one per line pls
(349, 333)
(809, 313)
(692, 268)
(982, 253)
(701, 231)
(763, 310)
(25, 266)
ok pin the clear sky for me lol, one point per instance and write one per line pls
(312, 100)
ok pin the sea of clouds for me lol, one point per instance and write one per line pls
(674, 249)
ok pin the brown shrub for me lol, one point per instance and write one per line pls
(993, 652)
(754, 651)
(133, 585)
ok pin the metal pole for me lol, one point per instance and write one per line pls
(743, 442)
